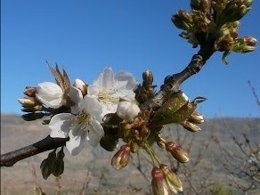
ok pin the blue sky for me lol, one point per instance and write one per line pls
(85, 36)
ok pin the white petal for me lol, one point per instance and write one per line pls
(105, 79)
(93, 90)
(76, 143)
(60, 125)
(76, 96)
(127, 110)
(95, 133)
(50, 94)
(108, 78)
(91, 106)
(126, 76)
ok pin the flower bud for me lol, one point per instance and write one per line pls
(147, 78)
(190, 126)
(82, 86)
(245, 44)
(235, 10)
(177, 152)
(28, 102)
(172, 180)
(30, 91)
(196, 118)
(182, 20)
(127, 110)
(159, 184)
(121, 158)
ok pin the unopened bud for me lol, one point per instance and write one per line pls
(148, 78)
(159, 184)
(30, 91)
(82, 86)
(121, 158)
(235, 10)
(127, 110)
(28, 102)
(190, 126)
(245, 44)
(172, 180)
(177, 152)
(196, 118)
(182, 20)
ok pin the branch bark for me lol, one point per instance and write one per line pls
(171, 84)
(48, 143)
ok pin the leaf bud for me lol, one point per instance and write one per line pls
(169, 111)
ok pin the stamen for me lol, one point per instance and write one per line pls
(107, 98)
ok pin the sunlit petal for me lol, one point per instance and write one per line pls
(76, 143)
(60, 125)
(50, 94)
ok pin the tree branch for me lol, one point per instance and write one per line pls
(48, 143)
(171, 85)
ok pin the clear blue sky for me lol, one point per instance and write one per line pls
(84, 36)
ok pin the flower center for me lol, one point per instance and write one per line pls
(106, 97)
(82, 119)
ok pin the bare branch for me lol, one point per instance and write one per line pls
(48, 143)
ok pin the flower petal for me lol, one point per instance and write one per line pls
(127, 110)
(126, 76)
(91, 106)
(50, 94)
(95, 133)
(76, 143)
(105, 79)
(60, 125)
(75, 96)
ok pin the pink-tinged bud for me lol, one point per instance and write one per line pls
(190, 126)
(30, 91)
(159, 184)
(196, 118)
(177, 152)
(82, 86)
(172, 180)
(121, 158)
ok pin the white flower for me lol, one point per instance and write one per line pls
(127, 110)
(49, 94)
(76, 97)
(109, 88)
(79, 128)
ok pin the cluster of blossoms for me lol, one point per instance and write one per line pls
(112, 108)
(84, 106)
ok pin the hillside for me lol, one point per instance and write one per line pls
(90, 172)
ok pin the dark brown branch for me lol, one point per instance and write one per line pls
(172, 82)
(48, 143)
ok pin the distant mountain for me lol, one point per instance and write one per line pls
(94, 163)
